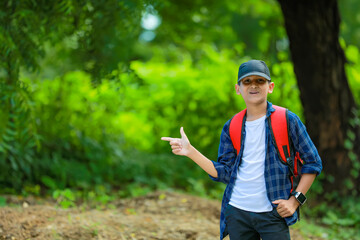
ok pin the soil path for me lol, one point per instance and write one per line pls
(160, 215)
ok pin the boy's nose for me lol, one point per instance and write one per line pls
(254, 83)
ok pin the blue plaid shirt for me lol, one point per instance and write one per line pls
(277, 180)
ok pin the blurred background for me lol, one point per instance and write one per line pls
(89, 87)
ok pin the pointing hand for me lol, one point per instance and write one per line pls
(179, 146)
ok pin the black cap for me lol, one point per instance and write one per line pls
(254, 67)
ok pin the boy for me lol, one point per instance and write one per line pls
(257, 201)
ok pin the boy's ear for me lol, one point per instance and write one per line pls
(237, 88)
(271, 87)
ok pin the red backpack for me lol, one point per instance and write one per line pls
(280, 134)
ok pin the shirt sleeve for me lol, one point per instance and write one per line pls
(226, 156)
(303, 144)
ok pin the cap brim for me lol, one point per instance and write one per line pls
(256, 74)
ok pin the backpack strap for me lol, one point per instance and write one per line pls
(237, 124)
(280, 133)
(279, 125)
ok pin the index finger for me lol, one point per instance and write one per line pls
(167, 139)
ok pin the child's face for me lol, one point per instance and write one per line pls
(254, 89)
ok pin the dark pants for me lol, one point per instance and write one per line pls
(246, 225)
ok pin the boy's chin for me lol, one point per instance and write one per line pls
(254, 101)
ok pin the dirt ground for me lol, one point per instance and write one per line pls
(159, 215)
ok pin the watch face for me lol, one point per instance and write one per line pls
(300, 197)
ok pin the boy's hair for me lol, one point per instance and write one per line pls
(254, 67)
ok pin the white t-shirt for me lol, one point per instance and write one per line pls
(249, 193)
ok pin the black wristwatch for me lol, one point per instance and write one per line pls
(299, 197)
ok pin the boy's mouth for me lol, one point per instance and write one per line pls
(254, 92)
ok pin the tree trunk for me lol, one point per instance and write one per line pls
(313, 31)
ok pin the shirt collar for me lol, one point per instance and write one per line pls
(269, 109)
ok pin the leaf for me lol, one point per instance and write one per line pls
(7, 146)
(346, 222)
(330, 218)
(10, 131)
(348, 144)
(351, 135)
(66, 204)
(2, 202)
(13, 162)
(69, 194)
(162, 196)
(8, 138)
(2, 149)
(49, 182)
(56, 194)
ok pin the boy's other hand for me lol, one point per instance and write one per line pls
(180, 146)
(286, 208)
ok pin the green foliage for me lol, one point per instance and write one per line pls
(33, 190)
(286, 92)
(83, 131)
(353, 74)
(2, 202)
(65, 198)
(79, 132)
(19, 138)
(107, 36)
(353, 70)
(310, 227)
(99, 197)
(350, 19)
(96, 34)
(198, 96)
(335, 217)
(25, 25)
(250, 28)
(173, 95)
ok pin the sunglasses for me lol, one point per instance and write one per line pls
(248, 81)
